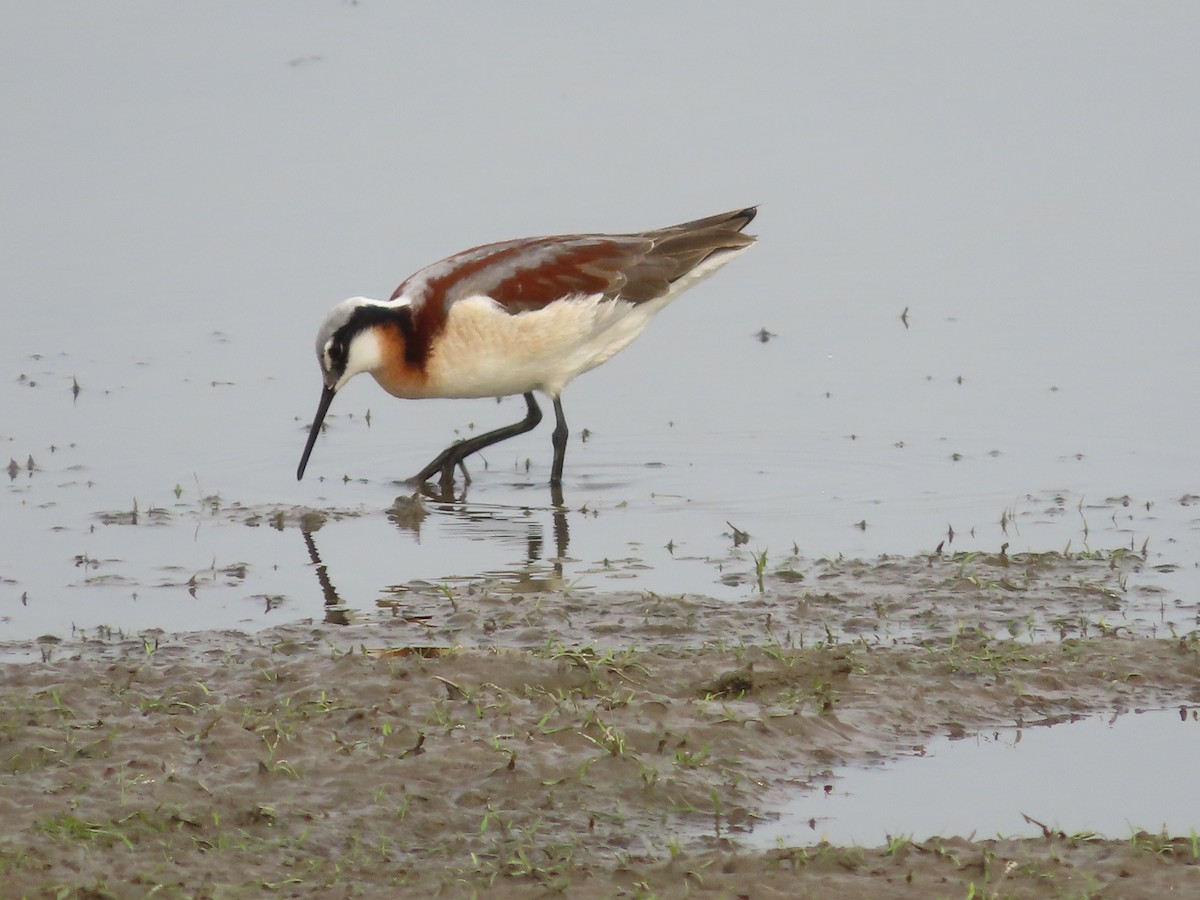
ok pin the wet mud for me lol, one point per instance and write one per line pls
(476, 741)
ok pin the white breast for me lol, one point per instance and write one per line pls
(485, 351)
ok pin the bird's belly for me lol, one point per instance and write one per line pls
(485, 351)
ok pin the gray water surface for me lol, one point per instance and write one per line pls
(1099, 775)
(187, 190)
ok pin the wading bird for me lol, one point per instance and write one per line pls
(517, 317)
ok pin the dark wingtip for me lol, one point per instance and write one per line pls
(735, 220)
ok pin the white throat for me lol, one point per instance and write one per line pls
(365, 355)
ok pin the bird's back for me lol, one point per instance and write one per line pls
(534, 313)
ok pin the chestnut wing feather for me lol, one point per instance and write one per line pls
(530, 273)
(618, 266)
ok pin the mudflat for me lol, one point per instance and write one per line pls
(479, 742)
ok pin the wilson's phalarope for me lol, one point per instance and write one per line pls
(515, 317)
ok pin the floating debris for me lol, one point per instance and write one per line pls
(739, 537)
(408, 512)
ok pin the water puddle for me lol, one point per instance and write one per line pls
(1099, 774)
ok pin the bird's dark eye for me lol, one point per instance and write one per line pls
(337, 353)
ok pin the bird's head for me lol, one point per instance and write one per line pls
(348, 342)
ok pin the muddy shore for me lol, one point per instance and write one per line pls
(472, 741)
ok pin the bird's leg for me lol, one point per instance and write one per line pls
(455, 454)
(559, 439)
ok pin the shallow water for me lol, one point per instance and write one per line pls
(1077, 776)
(175, 265)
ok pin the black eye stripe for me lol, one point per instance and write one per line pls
(361, 319)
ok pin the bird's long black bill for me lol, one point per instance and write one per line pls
(322, 408)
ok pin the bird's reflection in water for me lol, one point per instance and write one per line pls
(336, 612)
(506, 524)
